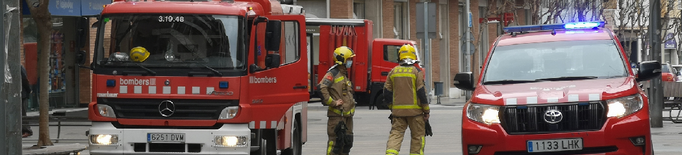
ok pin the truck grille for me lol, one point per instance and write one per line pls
(531, 119)
(184, 108)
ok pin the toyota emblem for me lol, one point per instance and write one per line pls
(166, 108)
(553, 116)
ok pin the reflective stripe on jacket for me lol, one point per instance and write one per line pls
(405, 83)
(336, 86)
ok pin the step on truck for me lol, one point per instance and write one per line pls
(374, 57)
(199, 77)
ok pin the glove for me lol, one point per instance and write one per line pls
(390, 117)
(340, 131)
(429, 132)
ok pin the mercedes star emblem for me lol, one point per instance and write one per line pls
(166, 108)
(553, 116)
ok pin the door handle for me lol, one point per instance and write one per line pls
(384, 73)
(300, 87)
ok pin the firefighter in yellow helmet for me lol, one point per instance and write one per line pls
(404, 93)
(337, 93)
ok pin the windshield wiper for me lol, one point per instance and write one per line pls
(213, 70)
(147, 69)
(568, 78)
(216, 72)
(509, 81)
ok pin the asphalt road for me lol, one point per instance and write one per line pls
(372, 129)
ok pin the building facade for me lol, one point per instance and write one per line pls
(397, 19)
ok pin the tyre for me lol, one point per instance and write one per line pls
(379, 102)
(296, 145)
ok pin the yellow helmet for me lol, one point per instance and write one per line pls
(342, 54)
(139, 54)
(407, 51)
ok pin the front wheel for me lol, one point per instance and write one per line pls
(379, 102)
(296, 144)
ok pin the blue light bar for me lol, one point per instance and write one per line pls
(566, 26)
(223, 85)
(111, 83)
(582, 25)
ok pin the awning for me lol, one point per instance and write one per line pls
(75, 8)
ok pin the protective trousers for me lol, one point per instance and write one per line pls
(332, 143)
(398, 127)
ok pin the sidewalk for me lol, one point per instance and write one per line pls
(56, 149)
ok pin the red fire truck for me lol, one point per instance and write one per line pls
(375, 57)
(199, 77)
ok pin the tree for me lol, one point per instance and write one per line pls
(43, 19)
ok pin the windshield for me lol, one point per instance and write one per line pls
(567, 60)
(171, 41)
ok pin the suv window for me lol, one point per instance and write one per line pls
(593, 58)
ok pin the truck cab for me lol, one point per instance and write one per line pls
(559, 88)
(199, 77)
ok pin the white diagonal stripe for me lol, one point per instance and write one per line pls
(181, 89)
(252, 125)
(510, 101)
(152, 90)
(532, 100)
(273, 124)
(123, 89)
(595, 97)
(262, 125)
(196, 90)
(573, 97)
(209, 90)
(166, 89)
(137, 89)
(552, 99)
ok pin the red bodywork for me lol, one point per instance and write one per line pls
(258, 102)
(614, 133)
(369, 69)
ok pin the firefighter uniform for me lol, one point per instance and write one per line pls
(336, 86)
(405, 94)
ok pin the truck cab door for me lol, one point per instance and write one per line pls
(278, 63)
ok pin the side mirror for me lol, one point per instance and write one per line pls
(81, 57)
(273, 34)
(464, 81)
(648, 70)
(254, 68)
(272, 60)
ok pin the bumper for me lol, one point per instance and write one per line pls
(197, 141)
(612, 139)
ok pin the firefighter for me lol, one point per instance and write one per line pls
(404, 93)
(337, 94)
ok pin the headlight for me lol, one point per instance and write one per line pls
(231, 141)
(624, 106)
(103, 139)
(229, 112)
(106, 110)
(488, 114)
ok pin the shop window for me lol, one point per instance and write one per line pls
(359, 9)
(400, 20)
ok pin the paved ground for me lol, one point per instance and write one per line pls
(372, 127)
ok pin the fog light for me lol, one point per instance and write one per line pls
(638, 141)
(231, 141)
(229, 112)
(105, 110)
(103, 139)
(474, 149)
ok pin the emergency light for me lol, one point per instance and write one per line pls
(111, 83)
(223, 85)
(565, 26)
